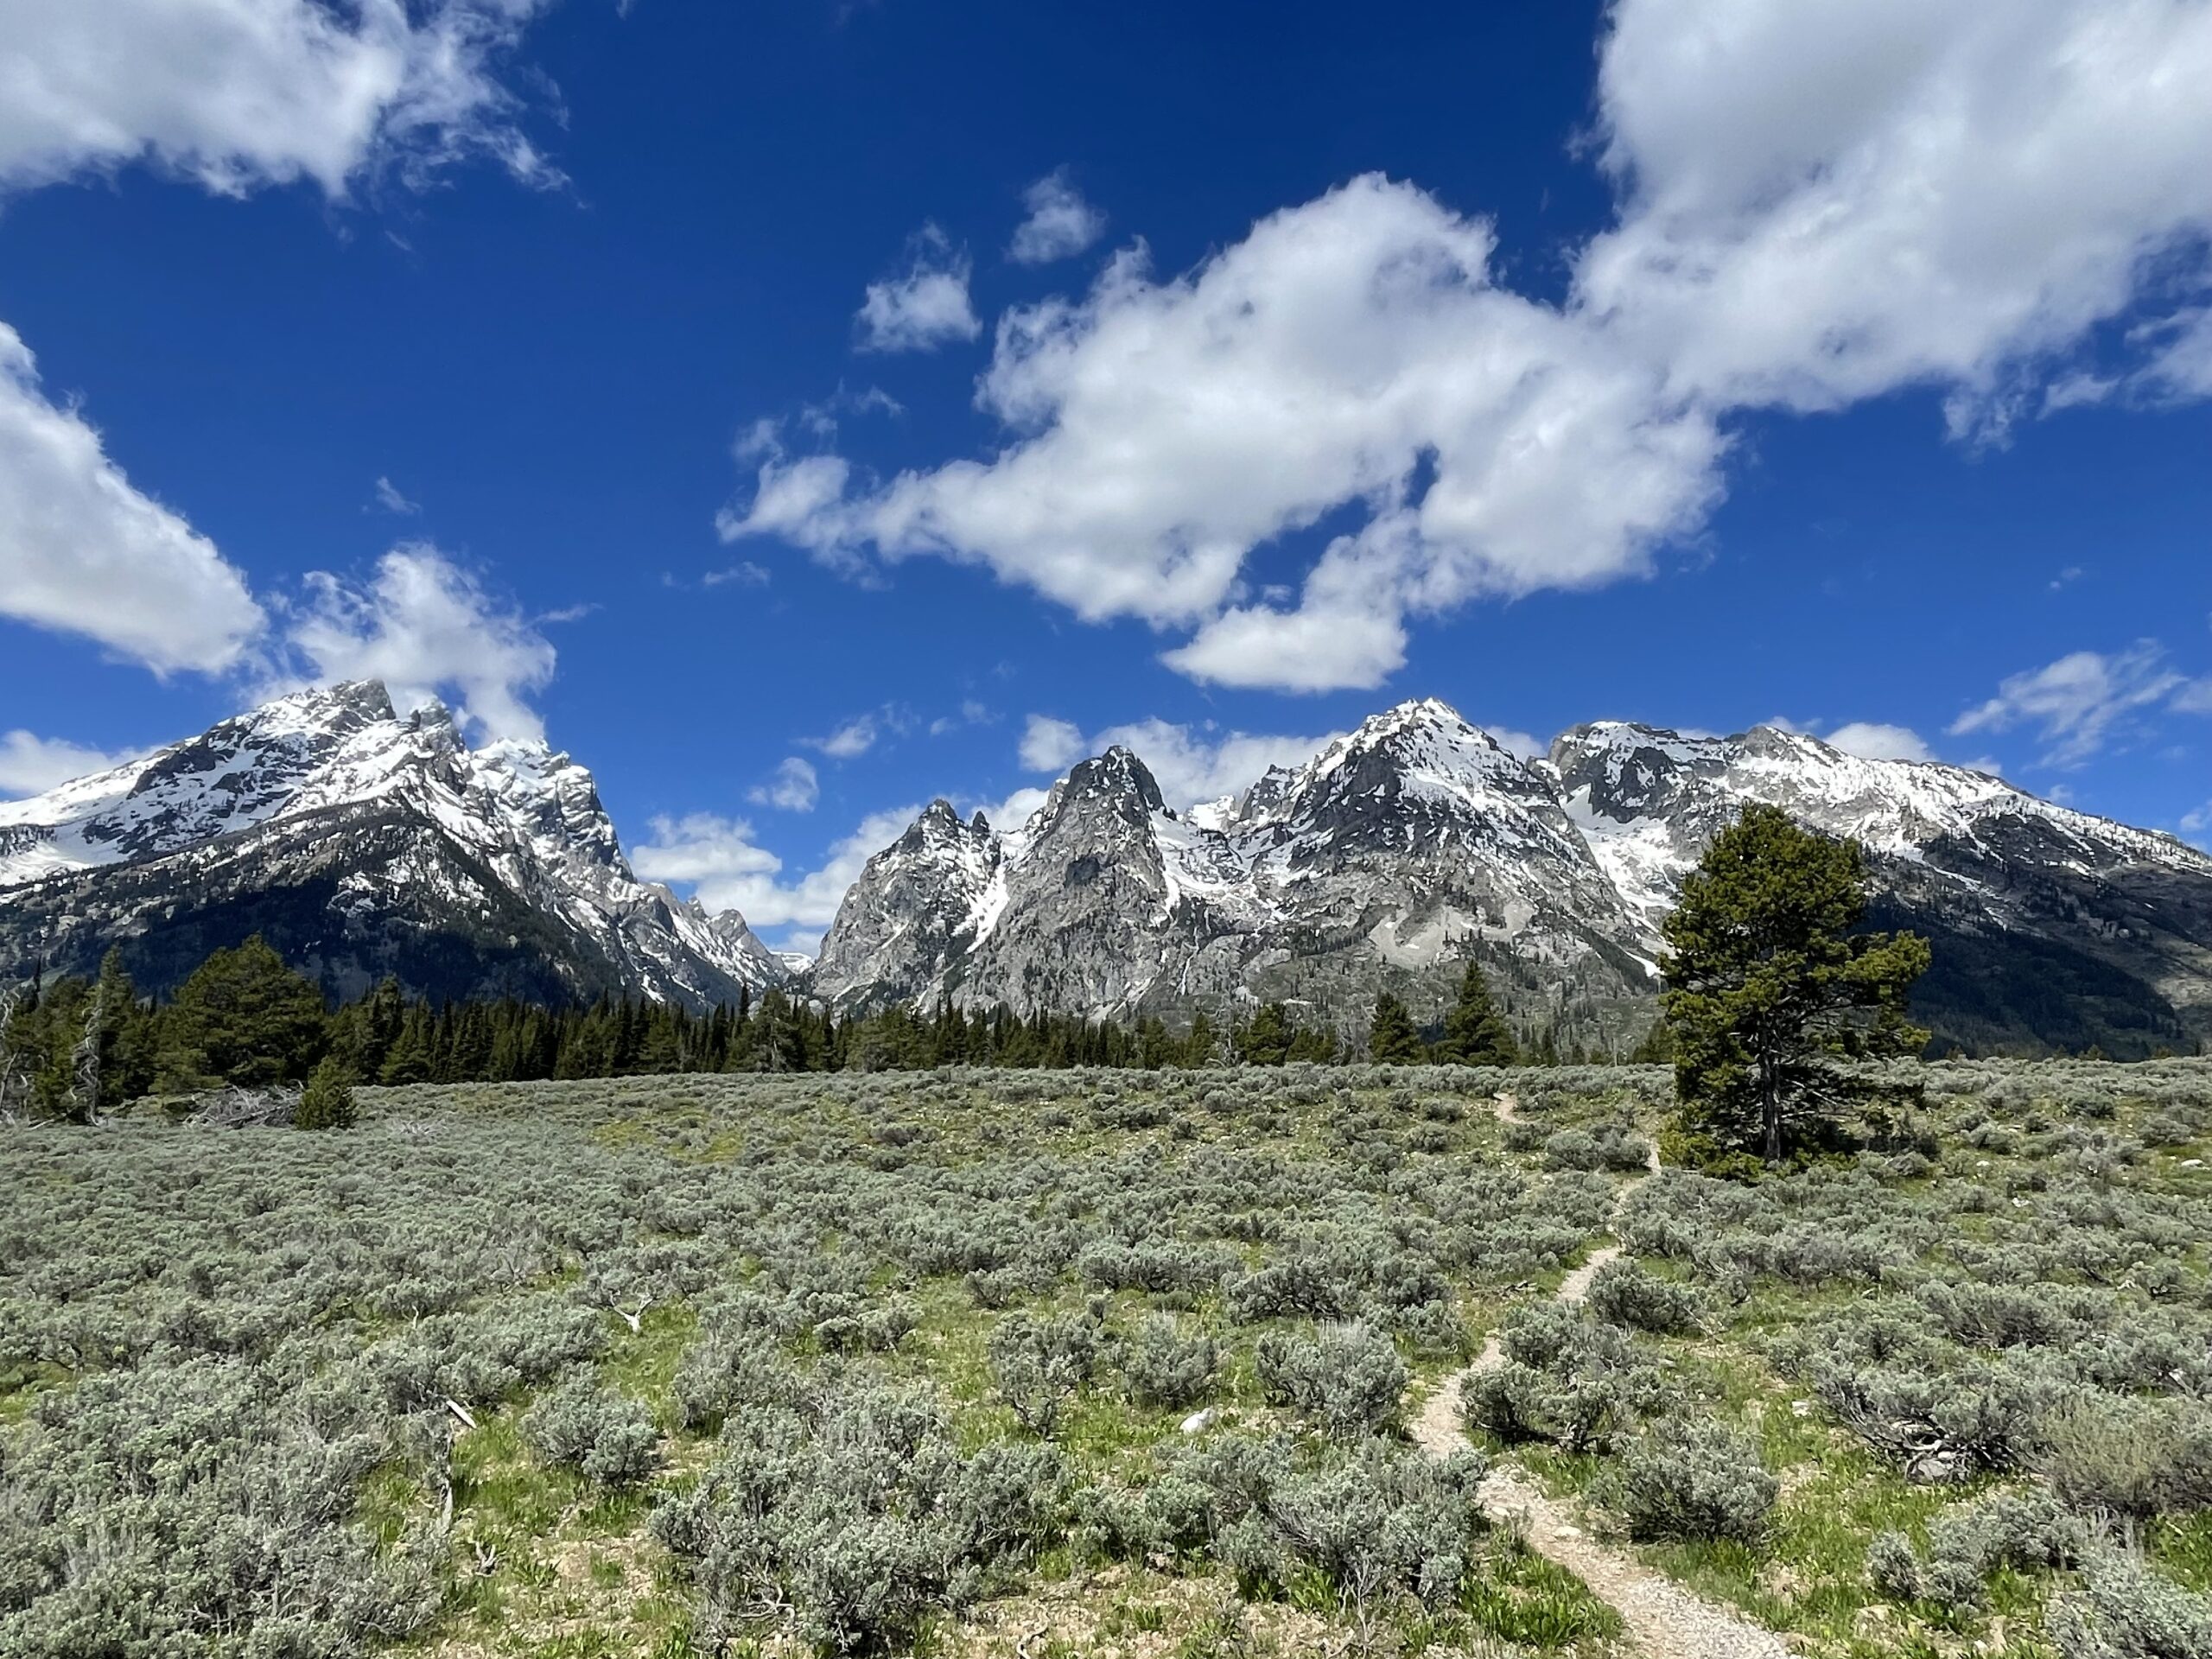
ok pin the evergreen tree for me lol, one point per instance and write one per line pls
(1267, 1040)
(1391, 1038)
(244, 1018)
(376, 1026)
(18, 1013)
(126, 1059)
(327, 1101)
(1475, 1033)
(1769, 983)
(1198, 1047)
(413, 1055)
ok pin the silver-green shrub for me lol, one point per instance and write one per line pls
(1691, 1478)
(1347, 1378)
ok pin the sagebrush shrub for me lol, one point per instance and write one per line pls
(1038, 1365)
(2025, 1531)
(2126, 1459)
(1609, 1146)
(1161, 1366)
(727, 1370)
(1369, 1517)
(1624, 1292)
(607, 1438)
(1347, 1378)
(2125, 1612)
(1691, 1479)
(1564, 1379)
(852, 1513)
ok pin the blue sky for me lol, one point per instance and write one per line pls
(799, 410)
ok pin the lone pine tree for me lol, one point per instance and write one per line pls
(327, 1101)
(1769, 985)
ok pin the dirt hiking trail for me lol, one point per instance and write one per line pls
(1664, 1620)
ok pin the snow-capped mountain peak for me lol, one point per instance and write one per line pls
(332, 789)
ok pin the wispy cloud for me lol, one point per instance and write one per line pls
(2087, 700)
(743, 574)
(392, 499)
(793, 788)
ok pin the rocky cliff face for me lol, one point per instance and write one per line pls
(1418, 841)
(361, 842)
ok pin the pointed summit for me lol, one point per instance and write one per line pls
(1117, 776)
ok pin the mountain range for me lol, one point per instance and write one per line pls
(362, 841)
(1418, 841)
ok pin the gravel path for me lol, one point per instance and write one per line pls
(1664, 1620)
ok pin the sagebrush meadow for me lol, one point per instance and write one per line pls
(1088, 1363)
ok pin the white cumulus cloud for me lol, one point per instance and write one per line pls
(1823, 202)
(1872, 740)
(1818, 202)
(1060, 224)
(231, 95)
(1051, 745)
(82, 552)
(717, 860)
(235, 94)
(427, 628)
(924, 307)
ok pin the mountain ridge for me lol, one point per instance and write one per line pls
(1418, 839)
(364, 842)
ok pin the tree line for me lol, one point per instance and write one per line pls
(73, 1047)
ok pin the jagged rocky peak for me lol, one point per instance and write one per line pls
(1417, 781)
(939, 824)
(939, 856)
(1621, 774)
(911, 915)
(1116, 781)
(237, 773)
(1420, 751)
(1624, 770)
(546, 791)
